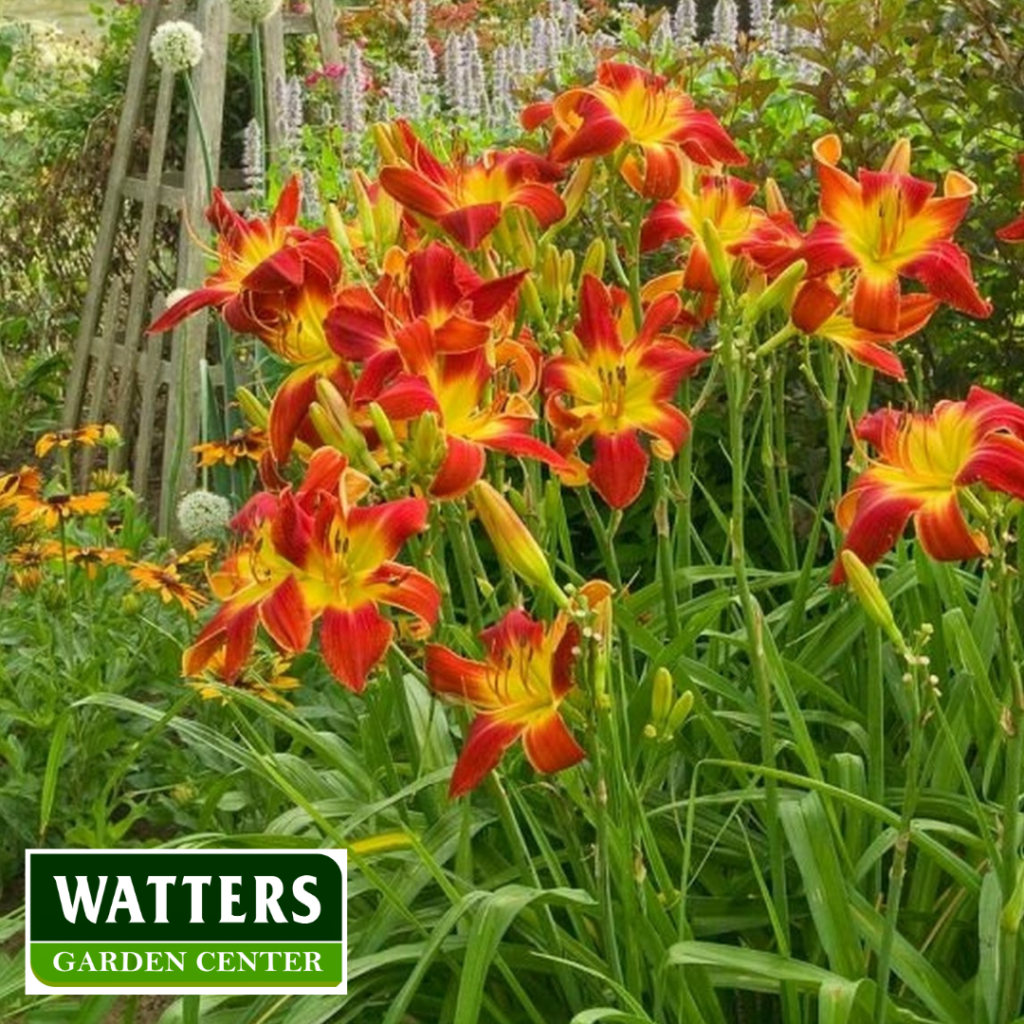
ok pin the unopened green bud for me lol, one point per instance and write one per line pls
(593, 260)
(679, 713)
(662, 692)
(867, 591)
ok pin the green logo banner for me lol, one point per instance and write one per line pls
(185, 921)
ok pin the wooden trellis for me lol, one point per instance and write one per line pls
(149, 386)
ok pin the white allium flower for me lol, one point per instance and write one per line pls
(253, 10)
(203, 515)
(177, 45)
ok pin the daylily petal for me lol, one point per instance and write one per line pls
(286, 616)
(487, 740)
(549, 745)
(455, 676)
(619, 468)
(944, 534)
(353, 642)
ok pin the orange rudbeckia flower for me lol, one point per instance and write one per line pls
(924, 461)
(628, 106)
(26, 482)
(242, 444)
(888, 224)
(260, 259)
(57, 508)
(516, 693)
(467, 200)
(87, 436)
(611, 390)
(313, 555)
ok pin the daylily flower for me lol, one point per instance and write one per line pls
(1014, 231)
(299, 333)
(924, 461)
(516, 693)
(314, 555)
(455, 388)
(260, 259)
(818, 310)
(616, 389)
(467, 200)
(889, 225)
(630, 107)
(434, 285)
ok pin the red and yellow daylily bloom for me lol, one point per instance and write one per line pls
(435, 285)
(298, 332)
(516, 694)
(313, 556)
(1014, 231)
(455, 388)
(820, 311)
(611, 390)
(262, 259)
(467, 199)
(654, 125)
(889, 225)
(924, 461)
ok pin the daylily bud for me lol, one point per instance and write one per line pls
(330, 412)
(774, 202)
(661, 697)
(679, 713)
(593, 261)
(367, 223)
(716, 254)
(524, 246)
(339, 235)
(550, 283)
(252, 408)
(381, 133)
(514, 544)
(898, 159)
(867, 591)
(426, 438)
(326, 426)
(576, 191)
(779, 292)
(385, 431)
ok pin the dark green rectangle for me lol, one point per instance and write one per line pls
(108, 965)
(48, 921)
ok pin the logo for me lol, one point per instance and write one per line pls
(188, 922)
